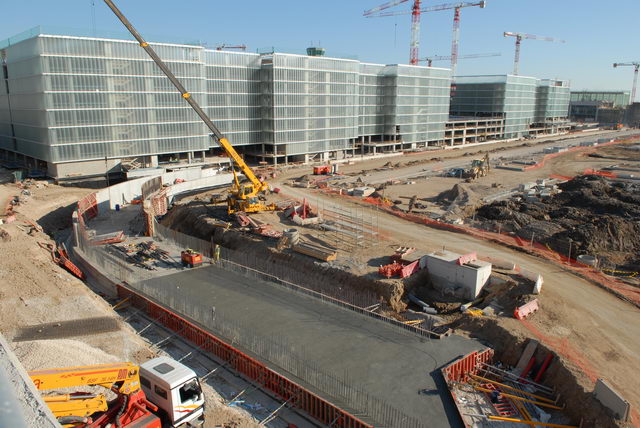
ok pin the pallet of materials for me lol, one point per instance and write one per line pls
(316, 251)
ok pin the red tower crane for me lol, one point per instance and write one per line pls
(456, 22)
(519, 37)
(415, 24)
(429, 60)
(636, 66)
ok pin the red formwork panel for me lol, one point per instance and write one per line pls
(250, 368)
(88, 206)
(459, 371)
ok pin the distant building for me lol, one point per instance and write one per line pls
(615, 98)
(605, 107)
(83, 106)
(525, 104)
(552, 106)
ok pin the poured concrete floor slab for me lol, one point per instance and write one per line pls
(388, 363)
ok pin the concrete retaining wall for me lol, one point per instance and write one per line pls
(123, 193)
(21, 405)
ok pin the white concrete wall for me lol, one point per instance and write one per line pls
(464, 281)
(200, 183)
(123, 193)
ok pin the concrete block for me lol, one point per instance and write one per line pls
(612, 400)
(363, 192)
(529, 350)
(526, 186)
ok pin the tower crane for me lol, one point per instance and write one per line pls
(636, 67)
(429, 60)
(519, 37)
(415, 24)
(374, 13)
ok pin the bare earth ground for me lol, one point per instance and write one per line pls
(600, 326)
(35, 290)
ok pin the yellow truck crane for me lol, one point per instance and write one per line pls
(160, 392)
(247, 198)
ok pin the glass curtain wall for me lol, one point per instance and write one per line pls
(416, 102)
(511, 97)
(310, 104)
(552, 100)
(618, 98)
(233, 95)
(107, 99)
(520, 104)
(372, 100)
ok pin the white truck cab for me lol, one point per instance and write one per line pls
(175, 389)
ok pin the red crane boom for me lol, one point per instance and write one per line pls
(415, 24)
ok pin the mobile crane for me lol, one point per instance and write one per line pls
(171, 385)
(246, 198)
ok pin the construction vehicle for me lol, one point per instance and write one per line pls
(248, 198)
(159, 391)
(190, 258)
(322, 170)
(479, 168)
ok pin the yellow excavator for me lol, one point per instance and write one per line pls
(479, 168)
(248, 198)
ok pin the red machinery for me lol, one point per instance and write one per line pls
(190, 258)
(322, 170)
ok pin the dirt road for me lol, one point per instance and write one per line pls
(602, 327)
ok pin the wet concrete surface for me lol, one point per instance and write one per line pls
(388, 363)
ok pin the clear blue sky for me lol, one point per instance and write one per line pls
(598, 33)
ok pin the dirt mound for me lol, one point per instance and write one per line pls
(461, 199)
(592, 216)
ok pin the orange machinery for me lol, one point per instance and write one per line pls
(190, 258)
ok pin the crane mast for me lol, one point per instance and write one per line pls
(415, 11)
(521, 36)
(415, 33)
(415, 24)
(241, 198)
(636, 67)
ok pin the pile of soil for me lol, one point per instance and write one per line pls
(592, 215)
(461, 200)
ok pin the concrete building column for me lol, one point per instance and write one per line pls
(189, 157)
(153, 161)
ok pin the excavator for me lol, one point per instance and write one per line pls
(160, 390)
(479, 168)
(248, 198)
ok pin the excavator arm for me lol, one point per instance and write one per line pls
(240, 194)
